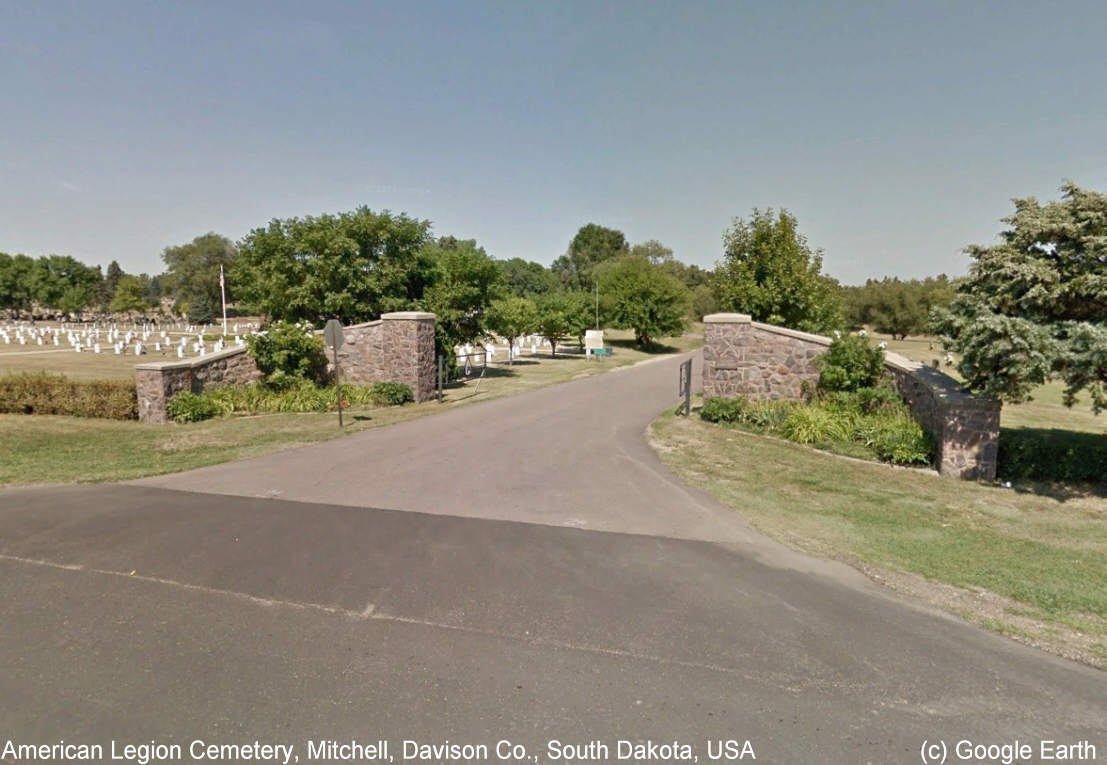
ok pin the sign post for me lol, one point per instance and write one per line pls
(685, 390)
(332, 336)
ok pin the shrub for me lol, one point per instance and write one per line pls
(874, 418)
(850, 364)
(390, 394)
(769, 415)
(724, 409)
(882, 397)
(45, 393)
(288, 353)
(192, 407)
(1037, 454)
(896, 437)
(298, 397)
(814, 424)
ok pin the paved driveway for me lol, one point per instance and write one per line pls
(522, 569)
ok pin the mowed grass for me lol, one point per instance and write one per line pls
(1044, 560)
(47, 449)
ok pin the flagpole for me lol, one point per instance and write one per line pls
(223, 293)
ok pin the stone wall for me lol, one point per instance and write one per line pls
(398, 347)
(742, 357)
(156, 383)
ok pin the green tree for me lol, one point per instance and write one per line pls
(702, 302)
(194, 270)
(1034, 307)
(896, 307)
(653, 251)
(638, 295)
(562, 315)
(106, 290)
(352, 266)
(58, 279)
(769, 272)
(512, 318)
(592, 245)
(16, 283)
(129, 296)
(463, 282)
(524, 278)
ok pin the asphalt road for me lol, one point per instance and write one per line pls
(519, 570)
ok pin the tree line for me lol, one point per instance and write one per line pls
(1032, 308)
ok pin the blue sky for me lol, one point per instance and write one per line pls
(896, 132)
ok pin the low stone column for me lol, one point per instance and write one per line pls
(155, 384)
(725, 339)
(407, 350)
(968, 445)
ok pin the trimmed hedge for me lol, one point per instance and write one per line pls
(45, 393)
(1039, 454)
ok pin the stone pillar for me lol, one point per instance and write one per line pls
(407, 349)
(968, 444)
(155, 384)
(725, 336)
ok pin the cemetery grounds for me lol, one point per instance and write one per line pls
(1029, 561)
(42, 449)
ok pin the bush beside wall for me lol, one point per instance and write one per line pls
(302, 397)
(1039, 454)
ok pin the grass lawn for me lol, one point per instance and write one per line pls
(48, 449)
(1029, 565)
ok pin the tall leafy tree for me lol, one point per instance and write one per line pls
(894, 306)
(593, 244)
(129, 296)
(194, 270)
(769, 272)
(62, 281)
(562, 315)
(112, 274)
(1034, 306)
(512, 318)
(653, 251)
(352, 266)
(636, 294)
(462, 283)
(525, 278)
(17, 273)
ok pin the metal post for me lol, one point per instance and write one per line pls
(597, 284)
(688, 389)
(441, 376)
(337, 387)
(686, 386)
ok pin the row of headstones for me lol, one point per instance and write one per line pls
(89, 338)
(488, 350)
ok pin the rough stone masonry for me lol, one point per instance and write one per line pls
(742, 357)
(398, 347)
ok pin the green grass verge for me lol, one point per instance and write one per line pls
(1045, 554)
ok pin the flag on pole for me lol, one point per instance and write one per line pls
(223, 294)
